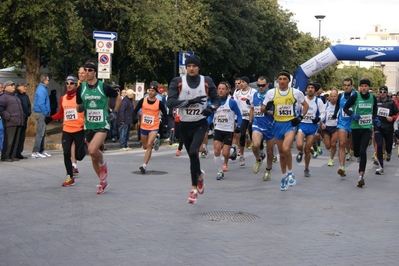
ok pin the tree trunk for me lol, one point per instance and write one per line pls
(32, 72)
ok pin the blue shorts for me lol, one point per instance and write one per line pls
(308, 129)
(146, 132)
(267, 133)
(345, 126)
(280, 128)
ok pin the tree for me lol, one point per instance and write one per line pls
(356, 73)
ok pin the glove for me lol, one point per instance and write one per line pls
(296, 120)
(212, 126)
(248, 102)
(334, 116)
(316, 120)
(377, 122)
(206, 112)
(48, 119)
(237, 129)
(355, 116)
(397, 133)
(250, 126)
(199, 99)
(81, 108)
(269, 105)
(113, 116)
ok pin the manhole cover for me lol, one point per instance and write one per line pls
(230, 216)
(150, 172)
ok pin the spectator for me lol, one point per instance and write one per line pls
(1, 122)
(125, 120)
(27, 108)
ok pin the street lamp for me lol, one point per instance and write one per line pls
(319, 18)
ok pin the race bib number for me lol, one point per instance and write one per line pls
(245, 114)
(193, 111)
(257, 111)
(148, 119)
(222, 119)
(70, 114)
(381, 111)
(365, 120)
(95, 115)
(285, 110)
(309, 116)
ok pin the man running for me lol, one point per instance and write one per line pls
(189, 93)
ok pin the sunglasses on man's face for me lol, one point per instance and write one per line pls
(70, 83)
(89, 69)
(383, 91)
(261, 85)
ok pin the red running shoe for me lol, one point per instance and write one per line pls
(201, 183)
(192, 199)
(75, 171)
(101, 187)
(103, 171)
(68, 181)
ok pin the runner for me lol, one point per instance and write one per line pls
(189, 94)
(282, 100)
(92, 99)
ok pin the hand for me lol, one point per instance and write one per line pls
(250, 125)
(356, 117)
(270, 105)
(206, 112)
(316, 120)
(81, 108)
(48, 119)
(199, 99)
(334, 116)
(211, 126)
(296, 120)
(113, 116)
(237, 129)
(377, 122)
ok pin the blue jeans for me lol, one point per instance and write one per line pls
(1, 134)
(40, 133)
(124, 131)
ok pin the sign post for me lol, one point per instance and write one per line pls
(104, 48)
(182, 61)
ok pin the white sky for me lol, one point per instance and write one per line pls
(344, 18)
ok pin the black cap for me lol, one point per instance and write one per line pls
(245, 78)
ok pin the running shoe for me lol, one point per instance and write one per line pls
(233, 155)
(348, 156)
(291, 180)
(274, 159)
(341, 172)
(376, 162)
(201, 183)
(156, 143)
(267, 175)
(192, 199)
(75, 171)
(379, 171)
(360, 182)
(284, 183)
(46, 154)
(242, 160)
(68, 181)
(307, 173)
(330, 162)
(220, 176)
(257, 165)
(205, 153)
(388, 159)
(319, 150)
(374, 156)
(178, 152)
(299, 157)
(225, 168)
(314, 153)
(37, 155)
(101, 187)
(103, 171)
(352, 153)
(142, 169)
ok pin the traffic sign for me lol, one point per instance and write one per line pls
(104, 66)
(182, 57)
(103, 46)
(105, 35)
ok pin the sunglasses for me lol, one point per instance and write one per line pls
(89, 69)
(383, 91)
(70, 83)
(261, 85)
(346, 85)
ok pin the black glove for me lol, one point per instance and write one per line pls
(48, 119)
(237, 129)
(270, 105)
(334, 116)
(296, 120)
(397, 133)
(211, 126)
(206, 112)
(81, 108)
(135, 120)
(316, 120)
(250, 126)
(199, 99)
(248, 102)
(113, 116)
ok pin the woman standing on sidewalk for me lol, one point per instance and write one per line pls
(149, 124)
(72, 129)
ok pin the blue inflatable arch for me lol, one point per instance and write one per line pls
(342, 52)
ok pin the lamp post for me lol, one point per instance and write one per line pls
(319, 18)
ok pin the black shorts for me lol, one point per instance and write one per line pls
(91, 132)
(330, 130)
(223, 136)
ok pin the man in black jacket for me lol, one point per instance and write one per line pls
(27, 109)
(12, 116)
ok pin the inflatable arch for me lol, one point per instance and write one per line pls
(342, 52)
